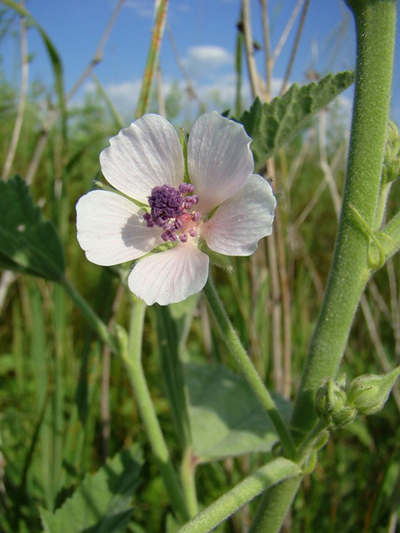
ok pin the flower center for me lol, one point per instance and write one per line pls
(171, 210)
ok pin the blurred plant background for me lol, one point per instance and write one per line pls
(65, 401)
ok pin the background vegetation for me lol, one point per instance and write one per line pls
(65, 401)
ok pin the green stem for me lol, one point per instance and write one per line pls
(188, 470)
(132, 355)
(375, 27)
(274, 506)
(246, 366)
(270, 474)
(94, 321)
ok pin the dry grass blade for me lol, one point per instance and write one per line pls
(286, 32)
(295, 47)
(248, 41)
(190, 90)
(99, 54)
(22, 99)
(323, 159)
(267, 47)
(152, 57)
(53, 113)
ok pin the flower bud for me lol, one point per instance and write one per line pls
(344, 417)
(391, 161)
(330, 405)
(369, 393)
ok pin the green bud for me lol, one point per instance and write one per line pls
(310, 463)
(329, 401)
(369, 393)
(331, 404)
(344, 417)
(391, 161)
(321, 440)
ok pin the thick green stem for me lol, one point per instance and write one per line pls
(93, 320)
(375, 27)
(246, 366)
(132, 355)
(274, 506)
(270, 474)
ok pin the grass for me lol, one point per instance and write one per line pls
(66, 404)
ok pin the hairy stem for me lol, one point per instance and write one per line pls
(132, 355)
(350, 271)
(270, 474)
(246, 366)
(375, 26)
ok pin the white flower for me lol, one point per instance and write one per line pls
(145, 162)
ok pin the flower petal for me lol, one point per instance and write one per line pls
(171, 276)
(111, 229)
(145, 155)
(239, 223)
(219, 159)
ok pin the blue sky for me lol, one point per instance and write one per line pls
(204, 32)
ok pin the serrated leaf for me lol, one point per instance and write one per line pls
(28, 243)
(272, 125)
(226, 417)
(103, 502)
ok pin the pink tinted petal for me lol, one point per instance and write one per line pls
(171, 276)
(219, 159)
(239, 223)
(111, 229)
(145, 155)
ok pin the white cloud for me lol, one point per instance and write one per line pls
(142, 8)
(183, 7)
(124, 96)
(218, 94)
(207, 57)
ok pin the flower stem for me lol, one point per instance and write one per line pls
(246, 366)
(351, 266)
(270, 474)
(132, 355)
(94, 321)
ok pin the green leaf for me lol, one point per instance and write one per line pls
(28, 243)
(103, 502)
(226, 417)
(272, 125)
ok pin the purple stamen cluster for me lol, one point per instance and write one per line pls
(170, 210)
